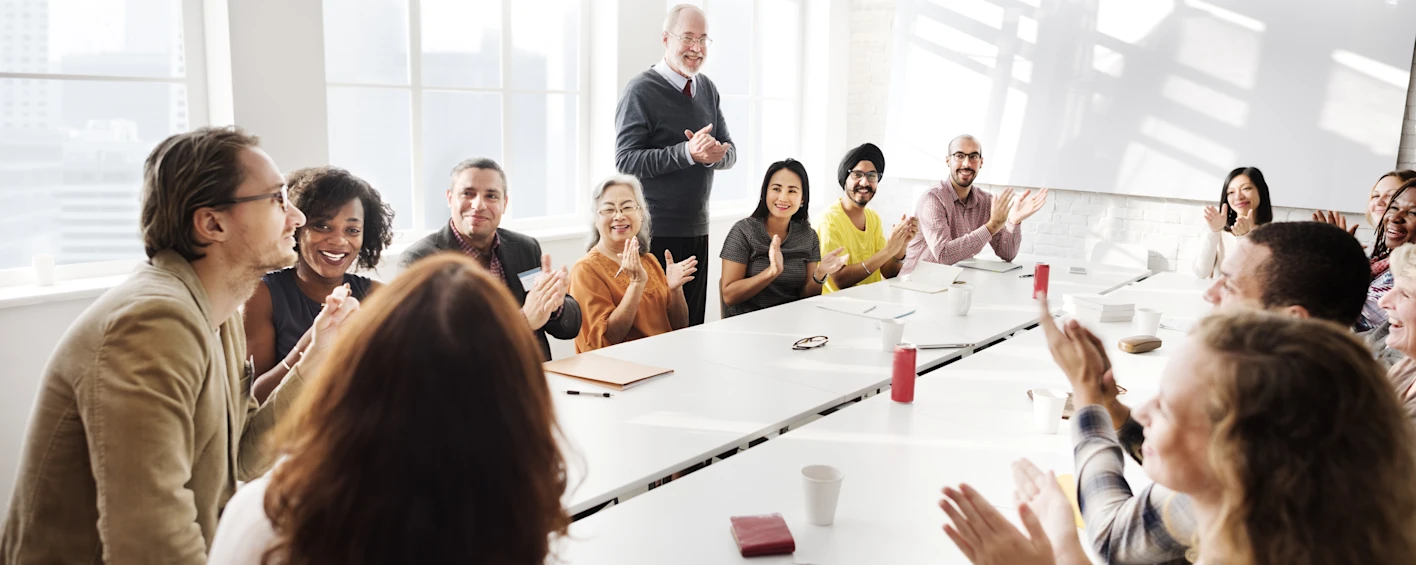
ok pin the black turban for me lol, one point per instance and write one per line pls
(866, 152)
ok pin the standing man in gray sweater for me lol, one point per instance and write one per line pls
(672, 136)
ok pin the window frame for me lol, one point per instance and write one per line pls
(194, 52)
(416, 89)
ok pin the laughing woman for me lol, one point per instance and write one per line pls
(1394, 229)
(1243, 206)
(348, 224)
(774, 257)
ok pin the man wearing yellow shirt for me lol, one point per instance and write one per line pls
(848, 224)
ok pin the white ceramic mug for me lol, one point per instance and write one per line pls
(960, 297)
(1147, 321)
(892, 332)
(1047, 409)
(43, 270)
(822, 484)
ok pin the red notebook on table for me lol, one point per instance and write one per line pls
(762, 535)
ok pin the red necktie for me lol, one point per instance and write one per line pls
(688, 88)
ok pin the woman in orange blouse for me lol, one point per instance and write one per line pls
(623, 292)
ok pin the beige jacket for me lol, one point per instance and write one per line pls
(143, 425)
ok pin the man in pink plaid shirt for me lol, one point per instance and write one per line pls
(955, 221)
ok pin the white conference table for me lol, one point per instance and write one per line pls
(969, 421)
(738, 379)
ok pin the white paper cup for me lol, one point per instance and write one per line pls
(1147, 321)
(960, 297)
(892, 332)
(43, 270)
(823, 488)
(1047, 409)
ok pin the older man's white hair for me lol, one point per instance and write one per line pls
(671, 19)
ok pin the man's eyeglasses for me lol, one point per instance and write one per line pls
(689, 40)
(612, 212)
(282, 196)
(812, 342)
(871, 176)
(972, 157)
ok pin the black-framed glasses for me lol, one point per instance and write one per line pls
(972, 157)
(812, 342)
(689, 40)
(871, 176)
(282, 196)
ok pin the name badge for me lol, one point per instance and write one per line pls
(529, 278)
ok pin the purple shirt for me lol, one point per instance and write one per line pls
(951, 229)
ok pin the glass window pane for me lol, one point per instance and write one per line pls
(456, 126)
(140, 38)
(541, 159)
(778, 137)
(779, 44)
(729, 61)
(545, 41)
(370, 134)
(744, 179)
(366, 41)
(71, 164)
(461, 43)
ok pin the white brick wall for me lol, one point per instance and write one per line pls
(1072, 220)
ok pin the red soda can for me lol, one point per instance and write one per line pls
(902, 381)
(1040, 273)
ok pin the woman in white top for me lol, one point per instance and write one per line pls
(1243, 206)
(428, 437)
(1284, 432)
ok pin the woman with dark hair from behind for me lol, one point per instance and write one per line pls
(773, 256)
(347, 224)
(1243, 206)
(428, 437)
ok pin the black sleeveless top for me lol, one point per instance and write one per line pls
(293, 312)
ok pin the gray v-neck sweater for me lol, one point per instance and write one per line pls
(651, 118)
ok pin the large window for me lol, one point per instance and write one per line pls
(755, 61)
(87, 88)
(417, 85)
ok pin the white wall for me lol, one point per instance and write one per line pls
(1072, 219)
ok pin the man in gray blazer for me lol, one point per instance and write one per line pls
(477, 198)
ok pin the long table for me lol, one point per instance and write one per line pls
(969, 420)
(738, 379)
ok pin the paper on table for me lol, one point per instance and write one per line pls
(986, 265)
(929, 277)
(604, 371)
(933, 335)
(1178, 324)
(867, 308)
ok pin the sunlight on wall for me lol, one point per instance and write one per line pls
(1131, 20)
(1206, 101)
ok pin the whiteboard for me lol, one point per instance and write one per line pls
(1155, 97)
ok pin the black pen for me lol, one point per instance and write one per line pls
(1025, 276)
(578, 393)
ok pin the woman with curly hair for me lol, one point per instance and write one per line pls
(428, 436)
(347, 224)
(1285, 434)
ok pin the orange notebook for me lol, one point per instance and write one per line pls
(604, 371)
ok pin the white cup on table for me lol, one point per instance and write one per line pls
(1147, 321)
(892, 332)
(822, 485)
(960, 297)
(43, 270)
(1048, 405)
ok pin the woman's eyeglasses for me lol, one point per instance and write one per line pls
(812, 342)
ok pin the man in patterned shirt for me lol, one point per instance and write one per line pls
(956, 221)
(477, 198)
(1303, 269)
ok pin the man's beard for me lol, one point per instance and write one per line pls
(973, 175)
(862, 199)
